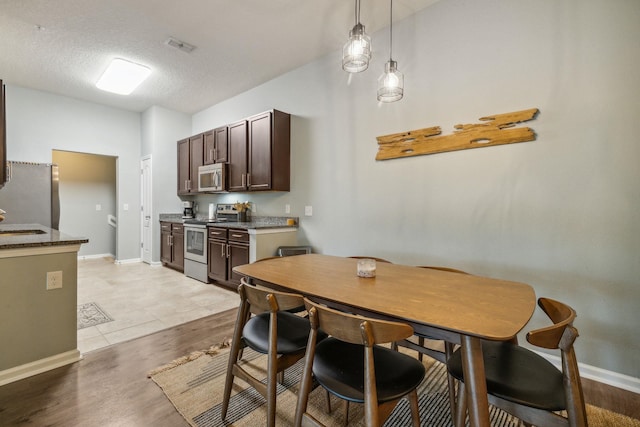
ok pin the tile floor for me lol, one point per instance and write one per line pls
(142, 299)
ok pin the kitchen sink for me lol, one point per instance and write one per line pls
(9, 233)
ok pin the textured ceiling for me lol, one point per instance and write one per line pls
(239, 44)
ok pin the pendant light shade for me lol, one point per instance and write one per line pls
(391, 82)
(356, 53)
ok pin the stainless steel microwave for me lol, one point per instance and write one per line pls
(212, 178)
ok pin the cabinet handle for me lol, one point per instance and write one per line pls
(212, 154)
(237, 235)
(169, 240)
(222, 251)
(248, 180)
(186, 185)
(215, 233)
(228, 251)
(244, 177)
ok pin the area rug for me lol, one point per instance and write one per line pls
(195, 384)
(91, 314)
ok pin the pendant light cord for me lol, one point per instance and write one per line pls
(391, 31)
(357, 11)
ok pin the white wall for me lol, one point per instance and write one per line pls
(39, 122)
(161, 129)
(561, 213)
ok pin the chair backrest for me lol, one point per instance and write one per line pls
(371, 257)
(451, 270)
(261, 299)
(561, 335)
(355, 329)
(562, 317)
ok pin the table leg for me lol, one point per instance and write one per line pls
(475, 382)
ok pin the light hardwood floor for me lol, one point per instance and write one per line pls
(109, 387)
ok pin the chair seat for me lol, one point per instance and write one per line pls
(339, 367)
(293, 332)
(518, 375)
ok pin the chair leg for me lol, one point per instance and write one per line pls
(421, 344)
(451, 382)
(236, 348)
(346, 413)
(461, 406)
(415, 410)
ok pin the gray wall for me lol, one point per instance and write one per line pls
(561, 213)
(161, 129)
(87, 180)
(39, 122)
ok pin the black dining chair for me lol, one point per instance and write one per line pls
(264, 324)
(525, 384)
(351, 365)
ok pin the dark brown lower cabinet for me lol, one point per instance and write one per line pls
(228, 248)
(172, 245)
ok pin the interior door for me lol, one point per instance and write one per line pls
(147, 228)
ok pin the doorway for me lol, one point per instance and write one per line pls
(88, 202)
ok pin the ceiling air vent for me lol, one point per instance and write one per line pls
(185, 47)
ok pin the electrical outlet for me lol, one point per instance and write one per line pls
(54, 280)
(308, 210)
(287, 208)
(98, 207)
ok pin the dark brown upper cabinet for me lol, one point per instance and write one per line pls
(216, 146)
(237, 169)
(269, 151)
(190, 158)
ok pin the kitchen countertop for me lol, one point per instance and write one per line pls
(257, 222)
(47, 237)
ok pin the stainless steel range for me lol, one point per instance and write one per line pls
(195, 240)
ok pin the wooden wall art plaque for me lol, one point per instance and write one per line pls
(498, 129)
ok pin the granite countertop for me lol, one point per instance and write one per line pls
(256, 222)
(13, 236)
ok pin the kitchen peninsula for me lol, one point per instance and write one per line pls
(38, 311)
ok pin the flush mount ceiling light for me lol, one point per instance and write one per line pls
(122, 76)
(391, 82)
(356, 53)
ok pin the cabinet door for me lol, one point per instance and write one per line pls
(165, 246)
(209, 148)
(238, 255)
(178, 250)
(221, 145)
(197, 159)
(184, 174)
(217, 262)
(237, 156)
(259, 177)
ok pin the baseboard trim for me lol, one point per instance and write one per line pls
(128, 261)
(96, 256)
(39, 366)
(600, 375)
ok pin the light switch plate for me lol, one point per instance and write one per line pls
(308, 210)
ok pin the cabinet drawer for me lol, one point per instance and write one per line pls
(239, 235)
(165, 226)
(177, 228)
(217, 233)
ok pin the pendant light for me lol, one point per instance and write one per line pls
(356, 53)
(391, 82)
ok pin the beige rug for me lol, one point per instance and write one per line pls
(195, 384)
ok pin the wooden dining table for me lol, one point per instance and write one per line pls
(459, 308)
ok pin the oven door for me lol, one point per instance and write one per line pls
(195, 243)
